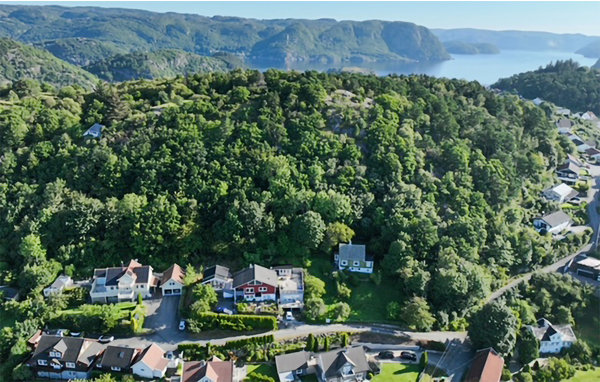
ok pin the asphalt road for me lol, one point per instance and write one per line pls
(594, 222)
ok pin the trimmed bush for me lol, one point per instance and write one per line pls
(238, 322)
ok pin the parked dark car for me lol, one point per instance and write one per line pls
(408, 355)
(221, 309)
(386, 354)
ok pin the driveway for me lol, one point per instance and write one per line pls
(594, 217)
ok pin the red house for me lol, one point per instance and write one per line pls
(255, 283)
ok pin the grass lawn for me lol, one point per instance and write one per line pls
(264, 369)
(366, 302)
(397, 372)
(586, 376)
(587, 323)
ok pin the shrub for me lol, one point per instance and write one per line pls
(238, 322)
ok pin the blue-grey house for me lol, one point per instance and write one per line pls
(95, 131)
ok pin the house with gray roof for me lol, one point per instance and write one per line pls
(64, 357)
(123, 283)
(340, 365)
(560, 193)
(9, 293)
(220, 278)
(353, 257)
(117, 358)
(553, 223)
(58, 285)
(255, 283)
(553, 338)
(95, 131)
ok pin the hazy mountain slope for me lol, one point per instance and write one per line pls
(19, 61)
(596, 65)
(591, 50)
(517, 40)
(163, 63)
(460, 47)
(81, 51)
(265, 41)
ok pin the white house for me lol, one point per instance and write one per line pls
(354, 258)
(95, 131)
(123, 283)
(561, 193)
(589, 116)
(151, 363)
(568, 172)
(553, 338)
(219, 277)
(291, 286)
(553, 223)
(564, 126)
(172, 281)
(594, 154)
(58, 285)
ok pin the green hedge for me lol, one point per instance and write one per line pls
(239, 322)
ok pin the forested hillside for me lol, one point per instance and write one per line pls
(591, 50)
(158, 64)
(440, 178)
(564, 83)
(19, 61)
(460, 47)
(81, 51)
(259, 42)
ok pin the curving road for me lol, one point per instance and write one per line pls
(594, 222)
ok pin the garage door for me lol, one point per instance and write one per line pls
(168, 292)
(585, 273)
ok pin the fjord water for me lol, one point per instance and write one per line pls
(485, 68)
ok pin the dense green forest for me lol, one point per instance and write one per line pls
(564, 83)
(461, 47)
(81, 51)
(259, 42)
(159, 64)
(440, 178)
(19, 61)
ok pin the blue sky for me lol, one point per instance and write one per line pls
(558, 17)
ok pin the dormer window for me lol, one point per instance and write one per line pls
(42, 362)
(56, 366)
(356, 263)
(70, 365)
(55, 354)
(344, 262)
(347, 369)
(115, 368)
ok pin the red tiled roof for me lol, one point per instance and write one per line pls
(154, 357)
(218, 371)
(486, 367)
(174, 272)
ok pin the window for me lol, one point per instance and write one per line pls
(262, 289)
(56, 366)
(249, 290)
(344, 262)
(356, 263)
(369, 264)
(115, 368)
(299, 371)
(71, 365)
(55, 354)
(42, 362)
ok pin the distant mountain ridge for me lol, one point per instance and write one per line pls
(157, 64)
(460, 47)
(19, 61)
(517, 40)
(591, 50)
(259, 42)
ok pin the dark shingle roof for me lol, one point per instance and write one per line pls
(292, 361)
(8, 292)
(218, 272)
(570, 166)
(118, 356)
(353, 252)
(70, 347)
(332, 361)
(255, 272)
